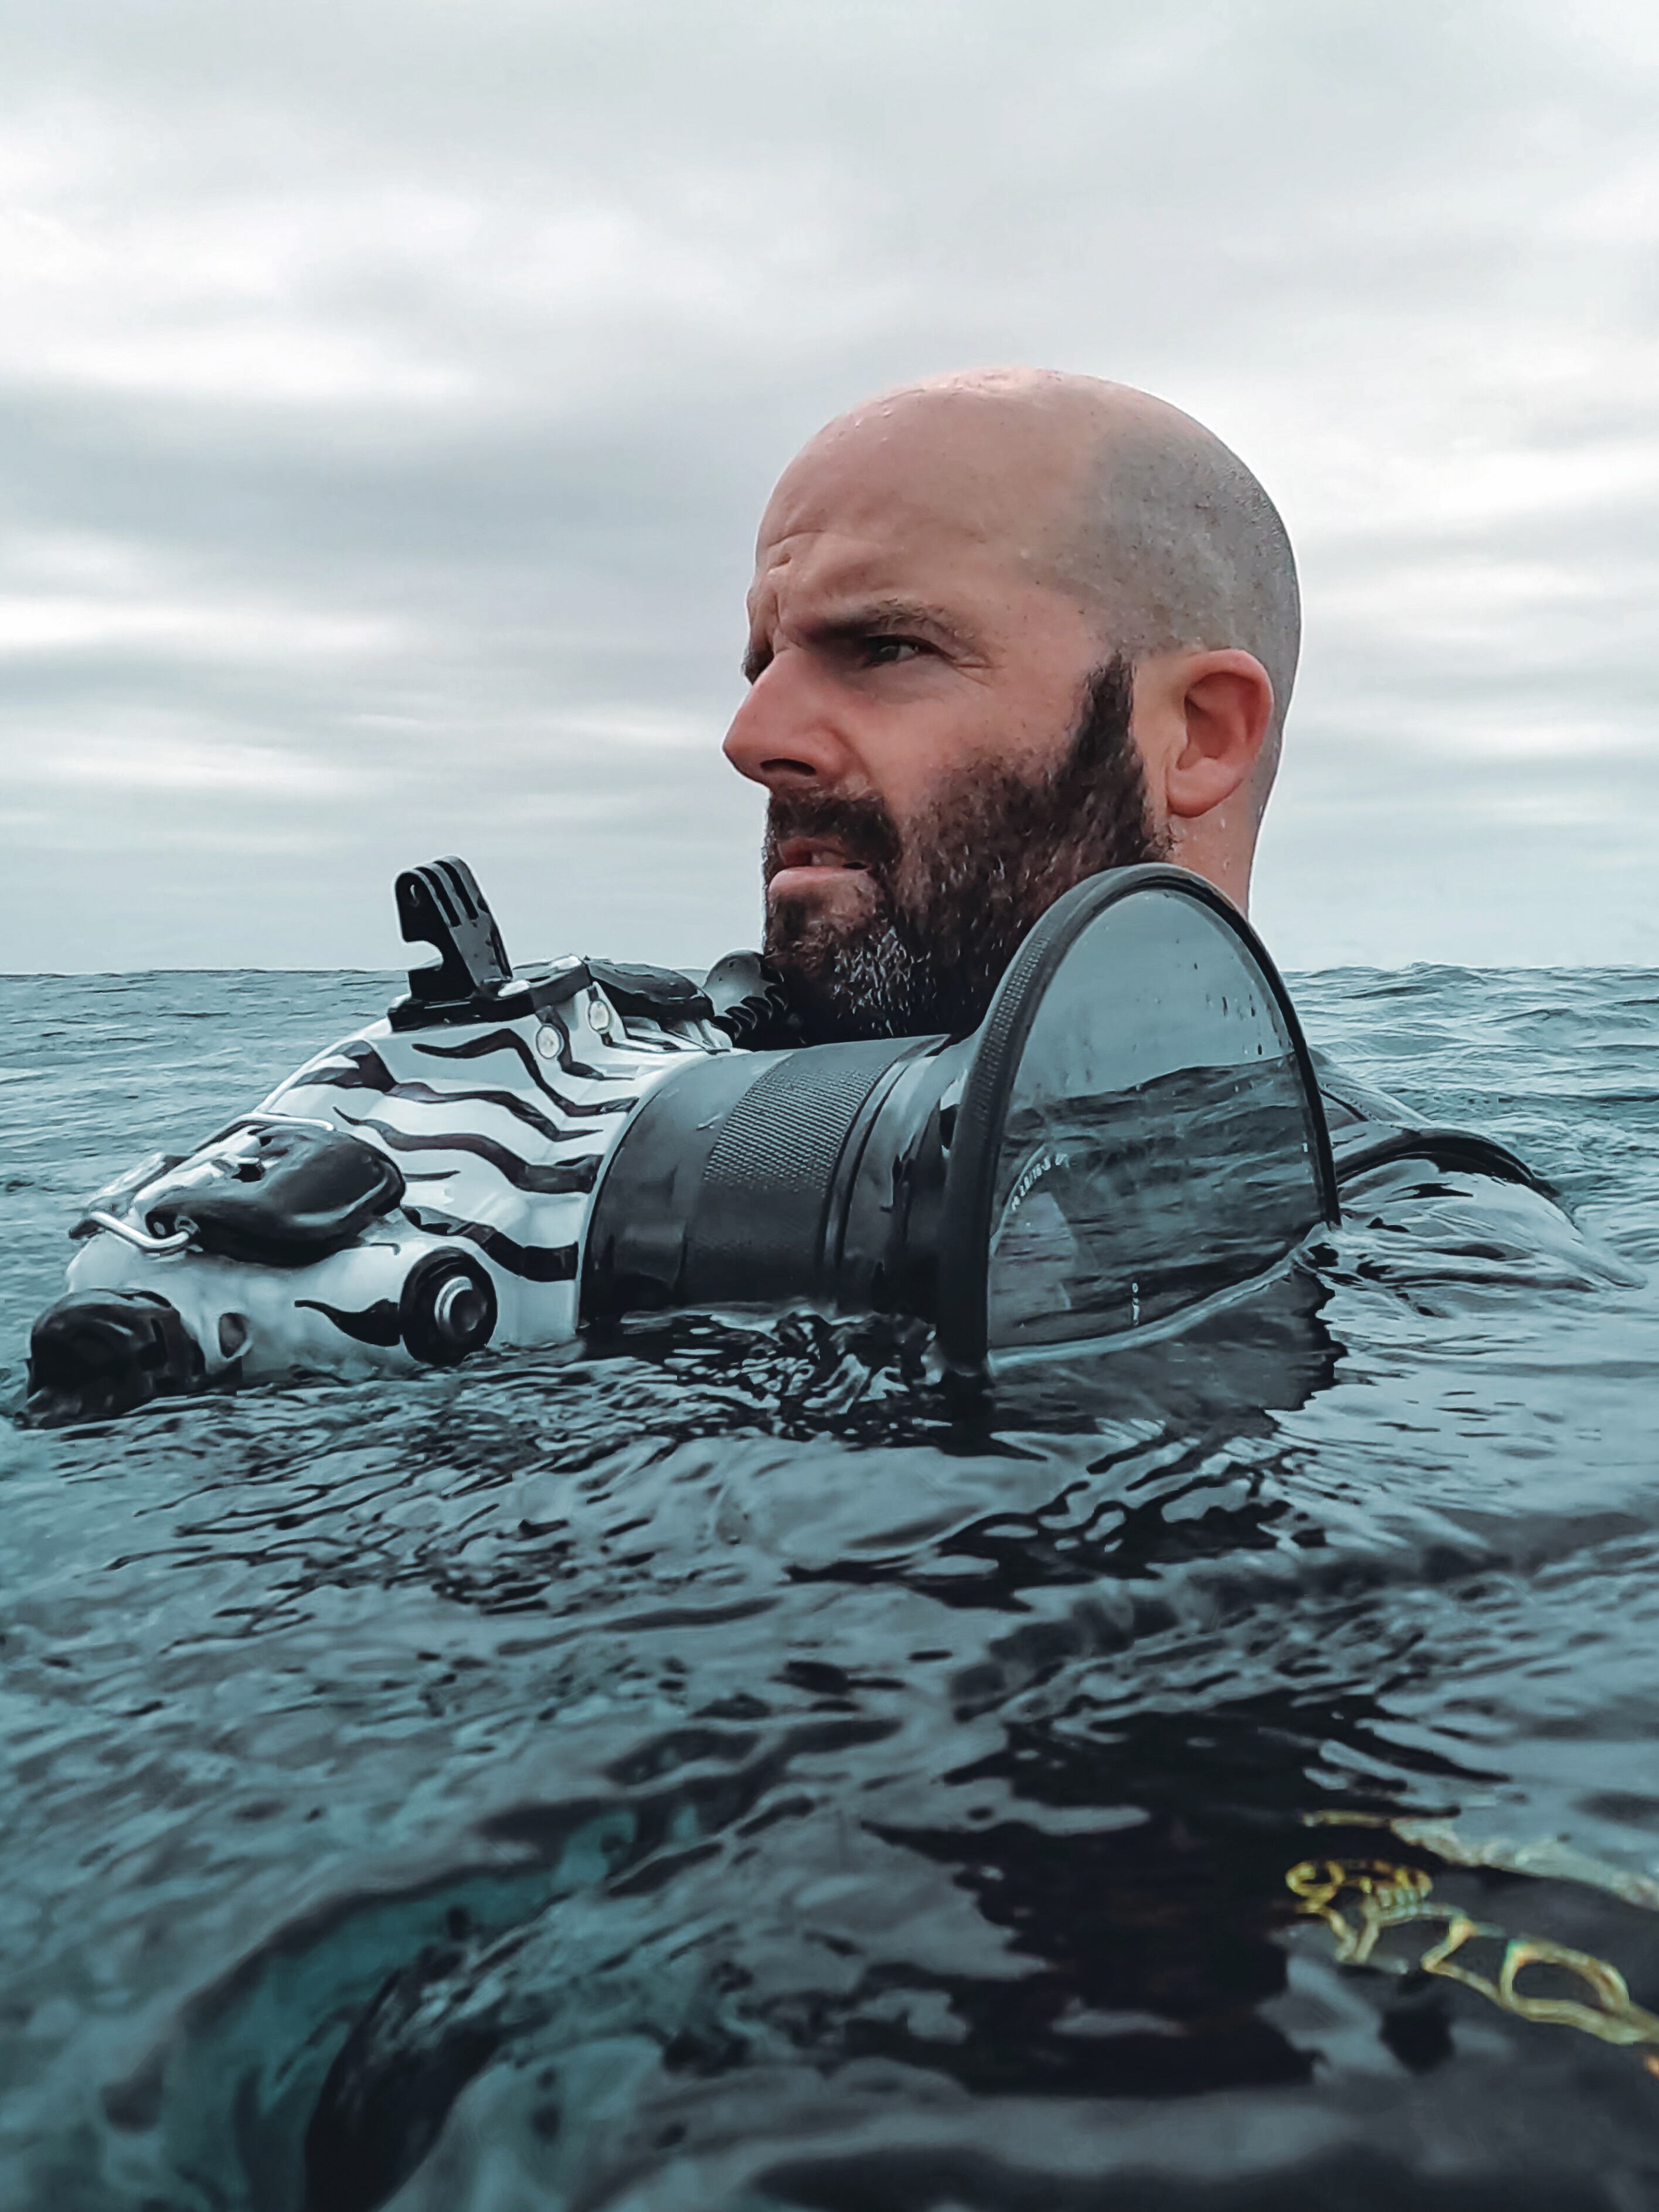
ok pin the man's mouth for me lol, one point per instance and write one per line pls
(803, 864)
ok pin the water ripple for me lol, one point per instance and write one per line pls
(727, 1772)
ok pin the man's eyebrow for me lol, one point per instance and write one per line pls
(882, 616)
(877, 617)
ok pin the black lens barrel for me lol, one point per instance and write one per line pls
(734, 1182)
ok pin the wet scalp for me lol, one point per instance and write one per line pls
(1134, 509)
(1178, 546)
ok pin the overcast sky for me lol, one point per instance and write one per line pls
(388, 393)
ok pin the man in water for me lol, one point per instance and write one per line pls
(1007, 629)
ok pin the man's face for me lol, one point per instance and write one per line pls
(945, 741)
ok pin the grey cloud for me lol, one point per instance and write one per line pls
(409, 379)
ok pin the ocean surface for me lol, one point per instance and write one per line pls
(727, 1775)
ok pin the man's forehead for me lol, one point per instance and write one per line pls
(965, 474)
(844, 561)
(848, 532)
(864, 514)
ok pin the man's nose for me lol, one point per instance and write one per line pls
(785, 733)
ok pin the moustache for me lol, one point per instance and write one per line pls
(862, 828)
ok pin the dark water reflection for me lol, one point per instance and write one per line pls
(727, 1773)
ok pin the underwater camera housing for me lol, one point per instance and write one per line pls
(510, 1160)
(1133, 1130)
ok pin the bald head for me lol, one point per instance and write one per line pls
(1157, 530)
(1006, 630)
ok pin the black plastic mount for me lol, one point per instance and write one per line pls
(441, 905)
(750, 1004)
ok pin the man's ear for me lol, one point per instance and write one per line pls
(1220, 708)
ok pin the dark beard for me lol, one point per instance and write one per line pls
(991, 855)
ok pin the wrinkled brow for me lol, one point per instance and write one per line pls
(877, 617)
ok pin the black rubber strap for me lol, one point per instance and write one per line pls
(1368, 1144)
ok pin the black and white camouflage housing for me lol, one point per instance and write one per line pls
(407, 1197)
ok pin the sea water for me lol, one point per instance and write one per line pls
(725, 1773)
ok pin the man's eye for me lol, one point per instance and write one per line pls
(883, 652)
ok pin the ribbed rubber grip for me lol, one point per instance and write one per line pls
(758, 1226)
